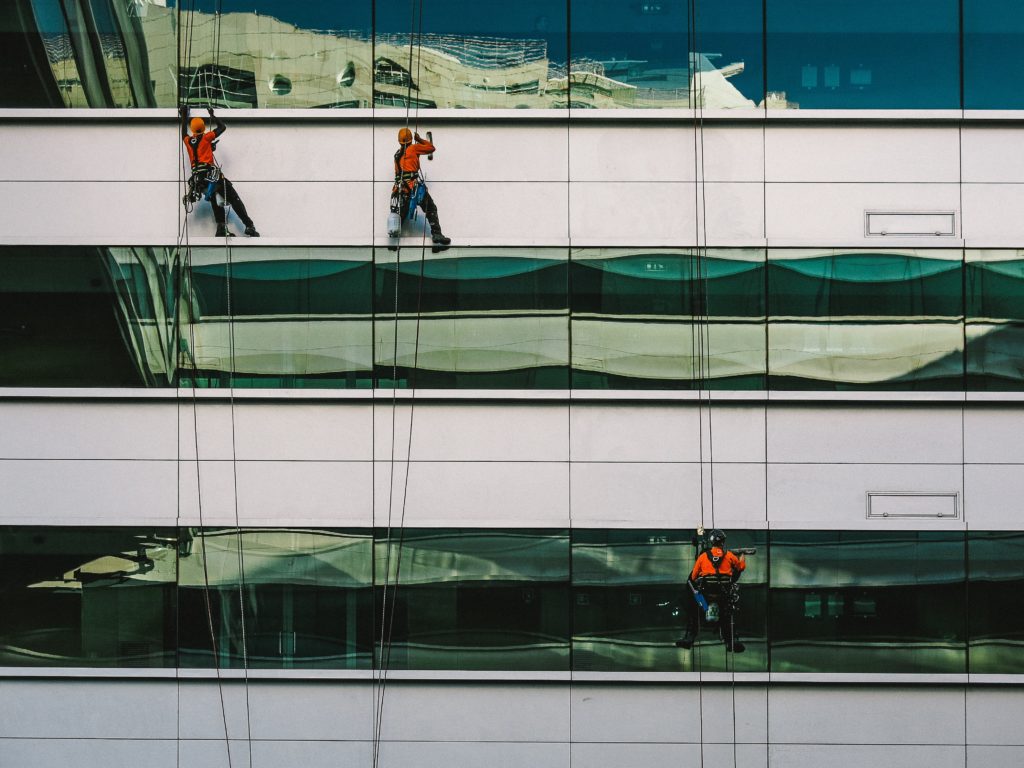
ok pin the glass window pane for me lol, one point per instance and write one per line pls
(995, 319)
(473, 318)
(474, 599)
(638, 319)
(631, 603)
(475, 55)
(868, 601)
(87, 597)
(297, 317)
(865, 319)
(304, 597)
(65, 319)
(645, 54)
(993, 55)
(997, 581)
(864, 54)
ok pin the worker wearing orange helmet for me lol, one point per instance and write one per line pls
(713, 578)
(409, 186)
(200, 145)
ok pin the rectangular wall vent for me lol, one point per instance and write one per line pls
(921, 224)
(915, 505)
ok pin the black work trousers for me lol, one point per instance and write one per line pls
(227, 190)
(428, 207)
(725, 623)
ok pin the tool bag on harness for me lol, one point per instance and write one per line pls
(399, 193)
(202, 184)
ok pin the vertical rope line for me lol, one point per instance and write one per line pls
(963, 404)
(569, 372)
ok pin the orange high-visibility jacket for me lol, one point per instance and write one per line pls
(407, 159)
(200, 148)
(729, 565)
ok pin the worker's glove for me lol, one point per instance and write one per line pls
(209, 111)
(183, 111)
(417, 137)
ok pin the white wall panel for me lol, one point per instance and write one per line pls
(994, 715)
(461, 754)
(72, 152)
(55, 753)
(311, 754)
(491, 494)
(993, 154)
(482, 213)
(473, 432)
(994, 435)
(829, 214)
(632, 213)
(317, 710)
(862, 153)
(316, 492)
(89, 212)
(87, 492)
(665, 153)
(867, 715)
(476, 152)
(994, 496)
(853, 756)
(495, 712)
(617, 433)
(329, 431)
(94, 430)
(985, 757)
(834, 496)
(854, 434)
(296, 152)
(990, 214)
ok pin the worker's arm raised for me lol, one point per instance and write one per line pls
(218, 124)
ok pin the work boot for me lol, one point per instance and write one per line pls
(441, 242)
(223, 231)
(685, 642)
(250, 231)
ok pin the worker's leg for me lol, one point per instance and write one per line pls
(239, 207)
(692, 623)
(219, 215)
(430, 209)
(728, 626)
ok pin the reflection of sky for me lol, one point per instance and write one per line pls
(307, 14)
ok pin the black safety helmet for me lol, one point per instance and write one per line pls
(717, 537)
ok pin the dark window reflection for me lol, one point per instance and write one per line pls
(99, 597)
(61, 319)
(658, 319)
(486, 318)
(995, 319)
(993, 56)
(865, 320)
(304, 597)
(474, 599)
(630, 602)
(868, 601)
(864, 54)
(996, 584)
(286, 318)
(646, 55)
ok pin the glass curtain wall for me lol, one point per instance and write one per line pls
(537, 54)
(865, 601)
(995, 319)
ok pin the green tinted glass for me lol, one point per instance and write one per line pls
(996, 580)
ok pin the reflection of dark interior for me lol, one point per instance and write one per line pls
(59, 322)
(218, 86)
(24, 67)
(389, 72)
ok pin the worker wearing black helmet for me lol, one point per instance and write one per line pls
(713, 578)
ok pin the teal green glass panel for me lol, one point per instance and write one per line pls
(996, 583)
(864, 54)
(995, 319)
(993, 56)
(645, 55)
(868, 601)
(865, 319)
(65, 316)
(87, 597)
(472, 318)
(275, 598)
(473, 599)
(661, 319)
(630, 603)
(281, 317)
(471, 55)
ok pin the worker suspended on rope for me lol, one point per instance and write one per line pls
(713, 585)
(410, 190)
(207, 180)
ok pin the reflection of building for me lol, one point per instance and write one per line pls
(218, 458)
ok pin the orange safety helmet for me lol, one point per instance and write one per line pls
(405, 136)
(198, 125)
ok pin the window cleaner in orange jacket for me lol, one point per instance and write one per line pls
(410, 190)
(206, 176)
(713, 583)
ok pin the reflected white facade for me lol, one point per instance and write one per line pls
(799, 182)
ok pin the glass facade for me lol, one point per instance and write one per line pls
(513, 318)
(505, 599)
(537, 54)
